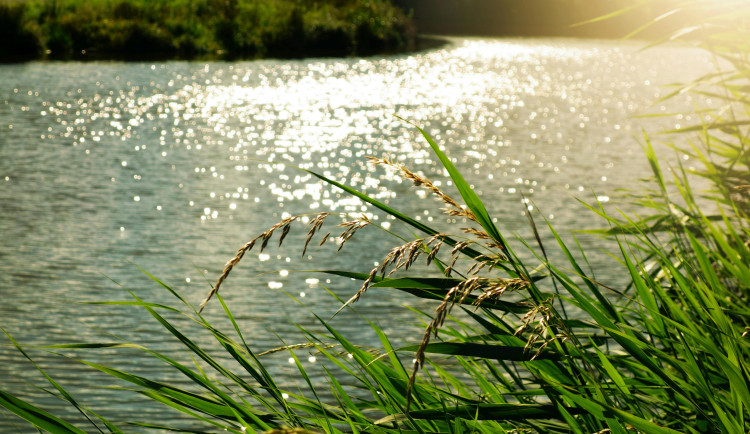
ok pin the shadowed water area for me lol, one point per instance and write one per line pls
(106, 167)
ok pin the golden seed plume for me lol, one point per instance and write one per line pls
(264, 237)
(454, 208)
(491, 289)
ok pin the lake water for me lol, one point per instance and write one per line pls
(107, 166)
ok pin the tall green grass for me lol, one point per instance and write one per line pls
(667, 353)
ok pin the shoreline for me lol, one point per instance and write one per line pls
(421, 43)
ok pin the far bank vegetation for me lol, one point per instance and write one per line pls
(189, 28)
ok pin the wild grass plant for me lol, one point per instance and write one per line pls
(536, 345)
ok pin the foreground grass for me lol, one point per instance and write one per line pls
(138, 28)
(667, 353)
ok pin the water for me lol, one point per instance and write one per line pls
(106, 167)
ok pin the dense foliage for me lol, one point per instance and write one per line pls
(540, 346)
(128, 28)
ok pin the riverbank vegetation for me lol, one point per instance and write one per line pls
(189, 28)
(533, 345)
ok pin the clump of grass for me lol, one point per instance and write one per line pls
(666, 354)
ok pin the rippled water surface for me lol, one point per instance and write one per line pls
(107, 167)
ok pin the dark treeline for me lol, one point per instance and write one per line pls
(189, 28)
(531, 17)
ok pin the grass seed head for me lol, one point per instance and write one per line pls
(315, 224)
(454, 208)
(284, 225)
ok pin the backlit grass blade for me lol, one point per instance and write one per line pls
(613, 14)
(317, 407)
(204, 404)
(67, 396)
(226, 404)
(259, 372)
(167, 287)
(410, 282)
(200, 352)
(603, 301)
(183, 407)
(712, 126)
(221, 405)
(36, 416)
(132, 303)
(396, 364)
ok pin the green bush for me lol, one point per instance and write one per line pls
(171, 27)
(18, 35)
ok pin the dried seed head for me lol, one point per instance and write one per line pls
(361, 290)
(546, 323)
(315, 225)
(496, 246)
(459, 211)
(496, 288)
(265, 237)
(324, 239)
(413, 252)
(397, 258)
(477, 233)
(284, 233)
(351, 228)
(433, 253)
(303, 346)
(456, 294)
(460, 246)
(227, 269)
(449, 269)
(454, 208)
(559, 337)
